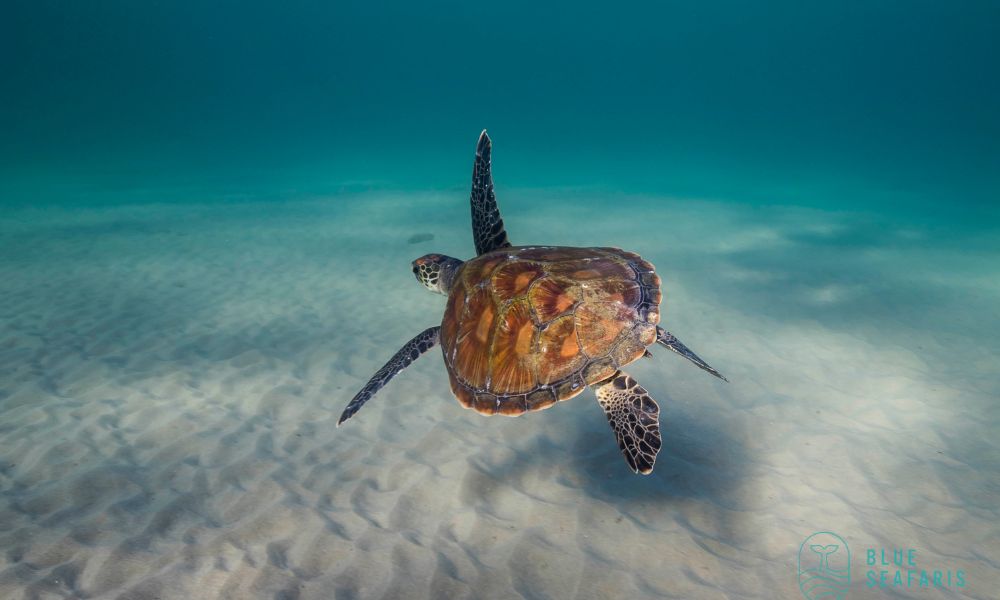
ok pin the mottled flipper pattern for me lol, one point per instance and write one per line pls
(667, 339)
(487, 226)
(424, 341)
(635, 419)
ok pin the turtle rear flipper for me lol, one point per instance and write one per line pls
(667, 340)
(634, 417)
(487, 226)
(423, 342)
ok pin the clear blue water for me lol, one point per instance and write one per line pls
(208, 217)
(848, 103)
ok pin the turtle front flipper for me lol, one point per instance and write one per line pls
(634, 417)
(487, 226)
(423, 342)
(667, 340)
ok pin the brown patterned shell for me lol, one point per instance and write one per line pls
(527, 327)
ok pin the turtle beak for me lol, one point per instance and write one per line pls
(415, 267)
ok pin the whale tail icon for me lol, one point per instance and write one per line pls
(824, 552)
(826, 578)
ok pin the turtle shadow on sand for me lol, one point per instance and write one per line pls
(702, 457)
(703, 474)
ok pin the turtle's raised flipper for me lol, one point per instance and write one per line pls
(667, 339)
(424, 341)
(487, 226)
(634, 417)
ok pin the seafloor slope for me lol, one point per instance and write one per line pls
(170, 376)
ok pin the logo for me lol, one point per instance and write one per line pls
(901, 570)
(824, 567)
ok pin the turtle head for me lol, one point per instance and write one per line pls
(436, 271)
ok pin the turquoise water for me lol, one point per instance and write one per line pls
(847, 103)
(209, 214)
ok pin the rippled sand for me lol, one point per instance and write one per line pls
(170, 376)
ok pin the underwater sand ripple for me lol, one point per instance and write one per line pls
(169, 381)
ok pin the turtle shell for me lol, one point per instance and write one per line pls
(527, 327)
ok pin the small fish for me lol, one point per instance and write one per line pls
(416, 238)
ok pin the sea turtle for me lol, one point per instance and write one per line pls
(526, 327)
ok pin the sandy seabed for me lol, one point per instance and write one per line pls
(170, 377)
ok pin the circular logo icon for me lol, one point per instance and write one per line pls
(824, 567)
